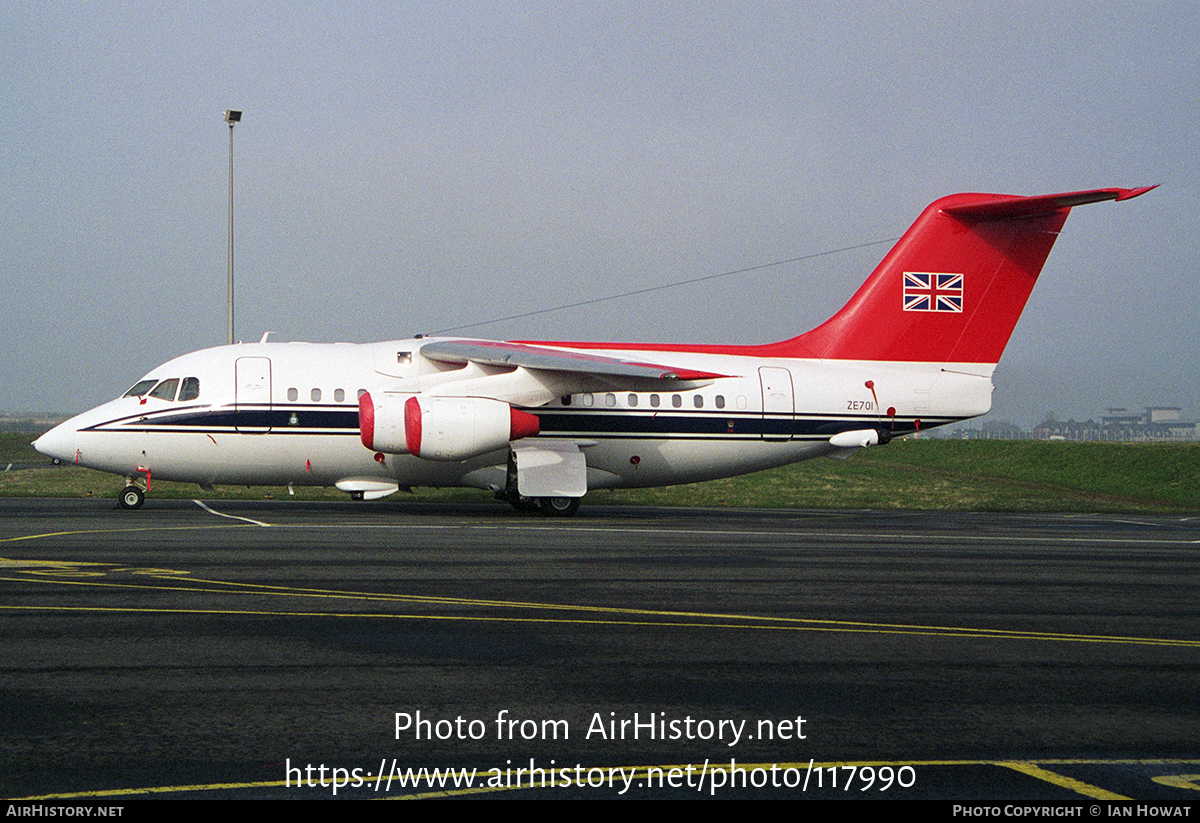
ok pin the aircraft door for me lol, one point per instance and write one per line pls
(252, 397)
(778, 403)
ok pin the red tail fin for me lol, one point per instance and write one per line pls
(954, 286)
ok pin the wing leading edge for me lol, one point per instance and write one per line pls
(496, 353)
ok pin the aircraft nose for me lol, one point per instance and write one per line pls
(58, 443)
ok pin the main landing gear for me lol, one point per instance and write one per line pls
(545, 506)
(559, 506)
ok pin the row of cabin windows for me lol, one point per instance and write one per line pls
(632, 400)
(188, 389)
(339, 395)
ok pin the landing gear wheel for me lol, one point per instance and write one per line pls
(525, 505)
(559, 506)
(131, 497)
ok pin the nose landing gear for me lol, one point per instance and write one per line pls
(134, 493)
(132, 497)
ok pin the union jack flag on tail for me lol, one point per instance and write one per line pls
(930, 291)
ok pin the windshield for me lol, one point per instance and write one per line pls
(189, 389)
(166, 389)
(140, 388)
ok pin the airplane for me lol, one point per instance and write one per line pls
(540, 423)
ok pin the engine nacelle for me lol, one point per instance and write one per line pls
(441, 428)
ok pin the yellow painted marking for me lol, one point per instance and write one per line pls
(643, 772)
(64, 573)
(715, 623)
(210, 787)
(560, 528)
(1085, 789)
(10, 563)
(124, 531)
(457, 617)
(67, 573)
(81, 568)
(1179, 781)
(157, 572)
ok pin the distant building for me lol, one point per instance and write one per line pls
(990, 430)
(1162, 414)
(1154, 425)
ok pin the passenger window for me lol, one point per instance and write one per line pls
(698, 401)
(720, 401)
(632, 400)
(676, 401)
(315, 394)
(610, 399)
(741, 401)
(654, 400)
(140, 388)
(338, 395)
(166, 389)
(587, 399)
(566, 399)
(361, 392)
(190, 389)
(293, 395)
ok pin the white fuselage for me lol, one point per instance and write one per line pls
(287, 413)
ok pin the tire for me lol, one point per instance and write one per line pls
(525, 505)
(559, 506)
(131, 497)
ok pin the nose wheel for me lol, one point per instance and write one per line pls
(132, 497)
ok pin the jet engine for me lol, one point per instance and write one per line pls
(441, 428)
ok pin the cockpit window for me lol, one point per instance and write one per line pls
(140, 389)
(166, 389)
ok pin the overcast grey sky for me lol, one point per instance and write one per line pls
(406, 168)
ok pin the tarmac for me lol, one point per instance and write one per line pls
(304, 649)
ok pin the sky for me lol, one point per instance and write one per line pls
(422, 167)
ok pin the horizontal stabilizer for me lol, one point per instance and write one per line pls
(1001, 206)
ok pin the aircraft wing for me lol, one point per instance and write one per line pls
(496, 353)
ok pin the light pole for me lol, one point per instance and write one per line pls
(231, 116)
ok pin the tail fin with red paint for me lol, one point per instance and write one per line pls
(951, 290)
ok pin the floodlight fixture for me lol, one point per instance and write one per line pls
(231, 116)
